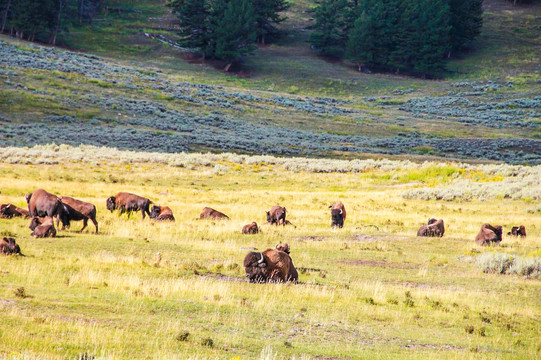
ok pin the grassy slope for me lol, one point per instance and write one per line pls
(105, 295)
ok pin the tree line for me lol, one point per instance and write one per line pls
(43, 20)
(399, 35)
(227, 29)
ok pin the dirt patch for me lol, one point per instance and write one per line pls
(431, 346)
(380, 263)
(222, 277)
(310, 238)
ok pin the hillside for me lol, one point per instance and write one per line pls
(130, 91)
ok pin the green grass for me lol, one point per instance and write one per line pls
(371, 290)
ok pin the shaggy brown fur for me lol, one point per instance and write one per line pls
(161, 213)
(489, 234)
(435, 228)
(250, 228)
(209, 213)
(338, 214)
(81, 211)
(127, 202)
(271, 265)
(277, 215)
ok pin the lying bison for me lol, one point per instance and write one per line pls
(76, 210)
(161, 213)
(8, 246)
(518, 231)
(250, 228)
(277, 215)
(42, 227)
(8, 211)
(489, 234)
(271, 265)
(435, 228)
(338, 214)
(41, 203)
(126, 202)
(209, 213)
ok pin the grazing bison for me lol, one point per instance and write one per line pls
(338, 214)
(250, 228)
(277, 215)
(8, 246)
(209, 213)
(435, 228)
(42, 227)
(518, 231)
(41, 203)
(9, 211)
(271, 265)
(126, 202)
(76, 210)
(161, 213)
(489, 234)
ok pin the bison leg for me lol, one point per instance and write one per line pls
(95, 224)
(85, 222)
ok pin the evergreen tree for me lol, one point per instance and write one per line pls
(362, 43)
(331, 26)
(193, 16)
(235, 31)
(466, 20)
(267, 13)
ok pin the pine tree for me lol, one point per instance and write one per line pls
(362, 43)
(466, 20)
(330, 33)
(235, 31)
(267, 13)
(193, 16)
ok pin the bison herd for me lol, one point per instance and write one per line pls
(273, 265)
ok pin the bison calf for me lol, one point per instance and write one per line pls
(126, 202)
(209, 213)
(42, 227)
(338, 214)
(277, 215)
(518, 231)
(489, 234)
(271, 265)
(161, 213)
(250, 228)
(9, 211)
(8, 246)
(435, 228)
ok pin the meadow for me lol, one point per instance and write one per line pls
(141, 289)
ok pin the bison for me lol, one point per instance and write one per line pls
(9, 211)
(489, 234)
(277, 215)
(518, 231)
(8, 246)
(209, 213)
(250, 228)
(161, 213)
(41, 203)
(76, 210)
(42, 227)
(435, 228)
(271, 265)
(126, 202)
(338, 214)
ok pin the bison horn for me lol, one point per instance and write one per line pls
(341, 211)
(262, 258)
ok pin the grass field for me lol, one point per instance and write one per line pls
(371, 290)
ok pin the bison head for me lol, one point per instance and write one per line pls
(498, 230)
(254, 264)
(155, 211)
(268, 216)
(432, 221)
(337, 216)
(111, 203)
(34, 223)
(284, 248)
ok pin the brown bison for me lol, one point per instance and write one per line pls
(42, 227)
(277, 215)
(9, 211)
(518, 231)
(126, 202)
(161, 213)
(250, 228)
(209, 213)
(435, 228)
(41, 203)
(489, 234)
(338, 214)
(271, 265)
(8, 246)
(76, 210)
